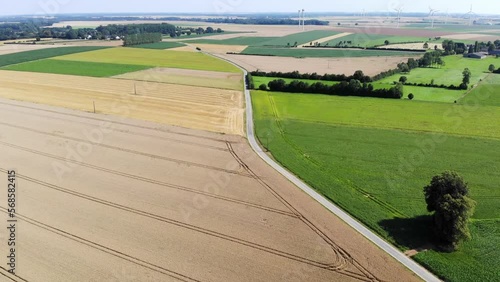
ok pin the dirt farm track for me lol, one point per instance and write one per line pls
(105, 198)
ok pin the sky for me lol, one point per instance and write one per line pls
(41, 7)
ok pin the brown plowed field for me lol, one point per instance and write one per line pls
(210, 109)
(370, 65)
(104, 198)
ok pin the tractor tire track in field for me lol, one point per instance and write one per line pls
(326, 266)
(152, 181)
(133, 133)
(118, 123)
(177, 161)
(110, 251)
(12, 277)
(394, 211)
(343, 258)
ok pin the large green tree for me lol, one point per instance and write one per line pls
(467, 75)
(448, 197)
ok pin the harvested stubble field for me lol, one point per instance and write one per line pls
(210, 109)
(370, 66)
(115, 199)
(212, 79)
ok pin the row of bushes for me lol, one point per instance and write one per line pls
(358, 75)
(344, 88)
(430, 85)
(366, 48)
(142, 38)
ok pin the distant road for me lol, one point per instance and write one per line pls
(381, 243)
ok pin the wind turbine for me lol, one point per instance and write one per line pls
(432, 12)
(303, 19)
(470, 15)
(399, 10)
(447, 16)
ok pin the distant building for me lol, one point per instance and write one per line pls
(478, 55)
(494, 53)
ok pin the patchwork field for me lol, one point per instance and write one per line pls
(210, 79)
(254, 41)
(326, 39)
(17, 48)
(27, 56)
(451, 73)
(159, 45)
(372, 40)
(209, 109)
(373, 157)
(219, 49)
(75, 68)
(323, 52)
(152, 202)
(341, 65)
(157, 58)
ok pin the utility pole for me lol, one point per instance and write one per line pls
(94, 106)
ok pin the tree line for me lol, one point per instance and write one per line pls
(358, 75)
(39, 29)
(451, 48)
(141, 38)
(352, 88)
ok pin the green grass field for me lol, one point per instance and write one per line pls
(451, 73)
(159, 45)
(75, 68)
(486, 93)
(323, 53)
(254, 41)
(22, 57)
(371, 40)
(258, 80)
(432, 94)
(300, 38)
(373, 157)
(153, 58)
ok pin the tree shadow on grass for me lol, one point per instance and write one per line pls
(412, 233)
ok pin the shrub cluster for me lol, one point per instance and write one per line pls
(431, 85)
(352, 88)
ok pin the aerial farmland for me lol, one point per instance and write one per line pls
(291, 147)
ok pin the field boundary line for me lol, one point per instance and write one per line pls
(419, 270)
